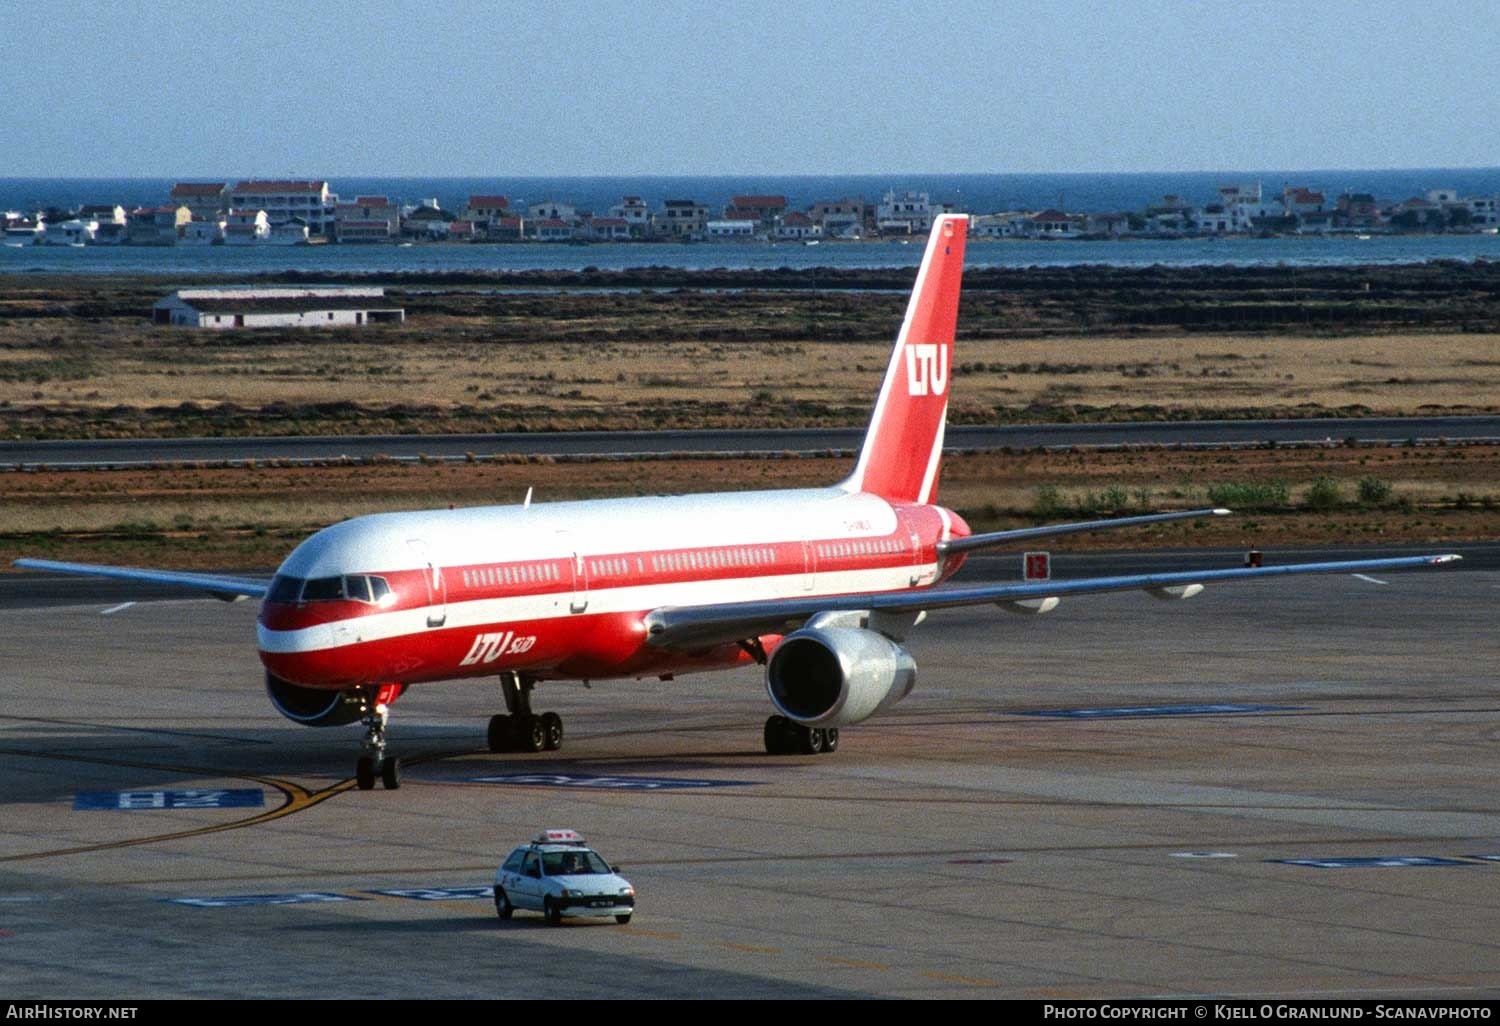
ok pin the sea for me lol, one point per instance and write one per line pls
(974, 193)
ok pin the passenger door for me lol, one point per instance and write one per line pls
(526, 889)
(437, 588)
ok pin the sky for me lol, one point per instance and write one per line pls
(185, 88)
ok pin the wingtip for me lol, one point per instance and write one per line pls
(1450, 557)
(1220, 511)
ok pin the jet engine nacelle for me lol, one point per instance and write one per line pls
(830, 676)
(311, 707)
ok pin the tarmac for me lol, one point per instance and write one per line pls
(1277, 789)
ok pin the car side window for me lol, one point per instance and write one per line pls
(531, 867)
(513, 864)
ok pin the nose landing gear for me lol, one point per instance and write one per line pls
(374, 709)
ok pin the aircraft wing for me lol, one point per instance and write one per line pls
(998, 538)
(694, 627)
(229, 589)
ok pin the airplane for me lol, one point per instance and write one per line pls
(819, 586)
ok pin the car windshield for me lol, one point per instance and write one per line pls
(572, 863)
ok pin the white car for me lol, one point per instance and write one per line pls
(558, 875)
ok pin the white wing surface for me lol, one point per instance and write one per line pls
(227, 588)
(695, 627)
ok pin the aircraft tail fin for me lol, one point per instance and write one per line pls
(904, 443)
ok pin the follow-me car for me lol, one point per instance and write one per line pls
(559, 875)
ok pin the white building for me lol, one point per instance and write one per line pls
(1245, 206)
(634, 212)
(311, 307)
(909, 213)
(69, 233)
(551, 210)
(554, 230)
(307, 201)
(485, 210)
(1484, 210)
(206, 200)
(682, 219)
(797, 225)
(22, 231)
(156, 226)
(242, 227)
(839, 218)
(608, 229)
(1009, 224)
(202, 233)
(736, 229)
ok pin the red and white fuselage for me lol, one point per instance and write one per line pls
(561, 590)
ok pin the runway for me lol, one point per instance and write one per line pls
(62, 454)
(1099, 802)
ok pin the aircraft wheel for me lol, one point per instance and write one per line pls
(364, 773)
(552, 731)
(830, 740)
(498, 736)
(775, 735)
(530, 734)
(390, 773)
(811, 741)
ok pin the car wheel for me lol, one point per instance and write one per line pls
(623, 919)
(503, 907)
(552, 912)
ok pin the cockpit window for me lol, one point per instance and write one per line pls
(285, 589)
(322, 589)
(358, 587)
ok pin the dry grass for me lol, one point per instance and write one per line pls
(1387, 374)
(253, 516)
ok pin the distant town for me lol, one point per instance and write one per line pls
(303, 212)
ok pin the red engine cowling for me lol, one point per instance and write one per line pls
(835, 676)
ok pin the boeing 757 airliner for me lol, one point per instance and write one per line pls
(821, 586)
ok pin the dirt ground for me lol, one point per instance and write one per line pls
(657, 348)
(79, 358)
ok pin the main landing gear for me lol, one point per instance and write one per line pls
(784, 737)
(521, 730)
(374, 711)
